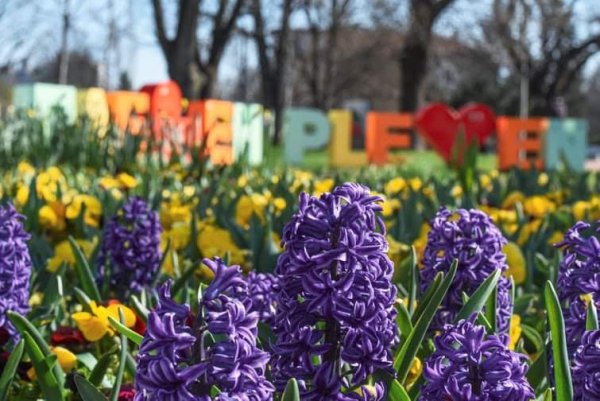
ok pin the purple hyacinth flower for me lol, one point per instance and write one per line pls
(586, 368)
(15, 268)
(262, 291)
(129, 258)
(470, 237)
(335, 307)
(468, 365)
(183, 356)
(579, 278)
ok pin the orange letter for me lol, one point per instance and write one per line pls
(387, 131)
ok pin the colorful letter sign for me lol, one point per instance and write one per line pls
(42, 97)
(440, 126)
(340, 146)
(215, 117)
(566, 141)
(92, 103)
(520, 142)
(387, 131)
(303, 129)
(248, 131)
(126, 107)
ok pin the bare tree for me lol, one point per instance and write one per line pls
(272, 56)
(544, 47)
(63, 70)
(415, 49)
(319, 53)
(192, 65)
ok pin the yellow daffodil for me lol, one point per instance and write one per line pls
(52, 216)
(36, 299)
(415, 184)
(517, 267)
(25, 169)
(323, 186)
(515, 331)
(249, 205)
(127, 180)
(22, 195)
(543, 179)
(556, 237)
(512, 199)
(389, 207)
(580, 209)
(485, 182)
(279, 204)
(527, 230)
(242, 181)
(538, 206)
(93, 209)
(66, 359)
(416, 368)
(215, 241)
(63, 253)
(456, 191)
(395, 185)
(95, 325)
(108, 182)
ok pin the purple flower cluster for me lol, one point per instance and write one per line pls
(184, 356)
(15, 267)
(586, 368)
(129, 258)
(579, 278)
(262, 290)
(470, 237)
(335, 320)
(467, 365)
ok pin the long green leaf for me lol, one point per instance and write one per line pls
(84, 272)
(479, 297)
(51, 388)
(24, 326)
(397, 392)
(140, 308)
(403, 320)
(114, 394)
(437, 280)
(413, 280)
(562, 373)
(591, 322)
(291, 392)
(87, 390)
(405, 356)
(10, 369)
(99, 371)
(126, 331)
(490, 308)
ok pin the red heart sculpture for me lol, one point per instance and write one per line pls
(440, 125)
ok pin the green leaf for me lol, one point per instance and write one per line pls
(437, 280)
(84, 272)
(403, 320)
(49, 384)
(397, 392)
(99, 371)
(87, 359)
(114, 394)
(533, 336)
(562, 373)
(547, 396)
(490, 308)
(10, 369)
(140, 308)
(479, 297)
(183, 279)
(413, 280)
(24, 326)
(87, 390)
(408, 351)
(291, 392)
(126, 331)
(591, 322)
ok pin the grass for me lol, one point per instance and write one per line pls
(423, 163)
